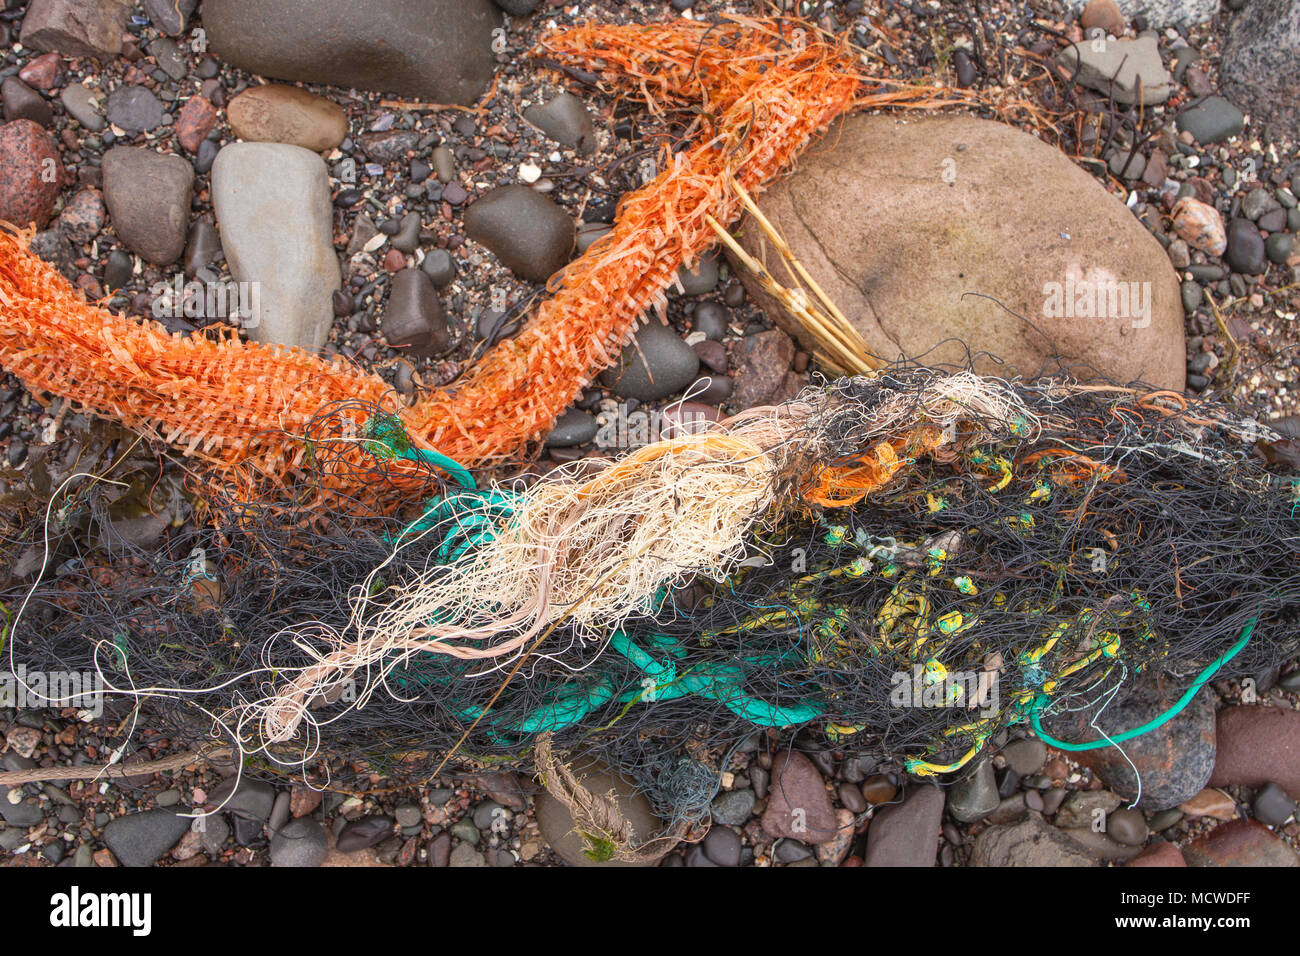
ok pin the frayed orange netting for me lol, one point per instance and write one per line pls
(229, 401)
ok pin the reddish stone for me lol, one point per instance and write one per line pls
(90, 285)
(303, 800)
(798, 805)
(764, 360)
(1240, 843)
(395, 261)
(196, 119)
(43, 73)
(30, 174)
(1159, 854)
(1258, 745)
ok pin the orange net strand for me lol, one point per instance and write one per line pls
(227, 402)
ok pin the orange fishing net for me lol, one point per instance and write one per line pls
(232, 402)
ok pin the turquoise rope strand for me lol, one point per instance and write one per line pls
(1150, 725)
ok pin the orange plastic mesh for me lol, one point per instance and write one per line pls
(231, 401)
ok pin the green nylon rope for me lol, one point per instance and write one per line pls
(1150, 725)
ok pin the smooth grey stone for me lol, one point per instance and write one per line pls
(1278, 246)
(82, 106)
(722, 846)
(1272, 805)
(363, 833)
(251, 799)
(672, 365)
(439, 267)
(1025, 756)
(134, 109)
(170, 58)
(465, 855)
(531, 235)
(975, 796)
(408, 815)
(712, 319)
(300, 842)
(466, 832)
(436, 50)
(203, 247)
(272, 202)
(1128, 69)
(1246, 253)
(574, 427)
(485, 815)
(1127, 826)
(117, 270)
(518, 8)
(733, 807)
(407, 238)
(148, 199)
(444, 164)
(141, 839)
(279, 811)
(414, 318)
(565, 119)
(701, 280)
(1211, 120)
(21, 815)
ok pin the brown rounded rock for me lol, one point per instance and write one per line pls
(900, 222)
(30, 174)
(287, 114)
(1158, 854)
(1258, 745)
(1240, 843)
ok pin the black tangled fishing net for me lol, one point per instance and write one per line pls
(1037, 565)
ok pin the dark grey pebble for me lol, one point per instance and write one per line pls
(672, 365)
(529, 233)
(134, 109)
(1273, 805)
(565, 119)
(363, 833)
(300, 842)
(439, 267)
(574, 427)
(414, 318)
(712, 319)
(1245, 253)
(722, 846)
(140, 839)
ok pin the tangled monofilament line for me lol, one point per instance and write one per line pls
(1067, 539)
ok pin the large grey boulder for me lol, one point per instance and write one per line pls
(1261, 63)
(439, 50)
(933, 235)
(272, 202)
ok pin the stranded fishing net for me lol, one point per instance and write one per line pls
(900, 565)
